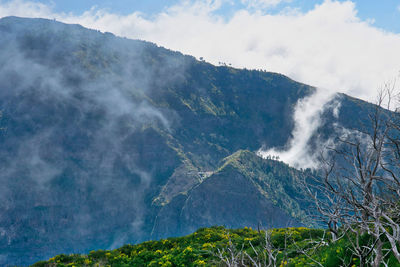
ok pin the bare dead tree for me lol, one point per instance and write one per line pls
(329, 208)
(360, 187)
(231, 256)
(314, 245)
(357, 194)
(264, 256)
(268, 255)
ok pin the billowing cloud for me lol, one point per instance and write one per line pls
(25, 9)
(328, 47)
(307, 116)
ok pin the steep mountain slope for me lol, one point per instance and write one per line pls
(245, 190)
(107, 140)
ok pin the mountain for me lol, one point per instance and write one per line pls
(107, 140)
(245, 190)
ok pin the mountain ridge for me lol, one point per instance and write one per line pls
(105, 136)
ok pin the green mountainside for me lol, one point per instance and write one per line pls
(244, 190)
(108, 141)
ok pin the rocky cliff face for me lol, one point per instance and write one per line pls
(107, 141)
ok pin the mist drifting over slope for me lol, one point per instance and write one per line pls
(65, 76)
(328, 47)
(298, 152)
(95, 126)
(108, 140)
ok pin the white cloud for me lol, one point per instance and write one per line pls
(307, 120)
(328, 47)
(24, 9)
(262, 4)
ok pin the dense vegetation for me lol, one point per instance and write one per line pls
(291, 246)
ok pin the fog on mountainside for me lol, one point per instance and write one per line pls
(109, 141)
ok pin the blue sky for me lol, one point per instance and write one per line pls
(385, 13)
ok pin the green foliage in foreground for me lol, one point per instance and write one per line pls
(292, 247)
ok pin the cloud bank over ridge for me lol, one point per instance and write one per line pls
(328, 47)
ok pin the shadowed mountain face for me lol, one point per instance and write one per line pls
(107, 141)
(245, 190)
